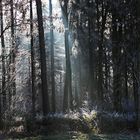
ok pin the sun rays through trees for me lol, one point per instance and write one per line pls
(69, 66)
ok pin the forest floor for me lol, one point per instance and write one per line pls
(81, 136)
(83, 128)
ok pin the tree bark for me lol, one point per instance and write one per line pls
(32, 61)
(12, 51)
(52, 58)
(3, 90)
(45, 96)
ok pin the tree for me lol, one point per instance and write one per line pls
(3, 90)
(13, 50)
(52, 58)
(116, 57)
(68, 97)
(32, 61)
(45, 96)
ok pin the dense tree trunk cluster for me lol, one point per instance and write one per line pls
(100, 68)
(110, 49)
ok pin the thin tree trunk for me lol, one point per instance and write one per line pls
(136, 97)
(13, 51)
(3, 59)
(116, 54)
(3, 67)
(91, 60)
(65, 98)
(52, 58)
(68, 81)
(32, 61)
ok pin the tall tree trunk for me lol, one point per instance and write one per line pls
(100, 55)
(52, 58)
(3, 90)
(32, 61)
(45, 96)
(3, 59)
(116, 54)
(12, 51)
(68, 78)
(136, 66)
(91, 59)
(68, 97)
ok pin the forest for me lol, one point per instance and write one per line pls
(69, 69)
